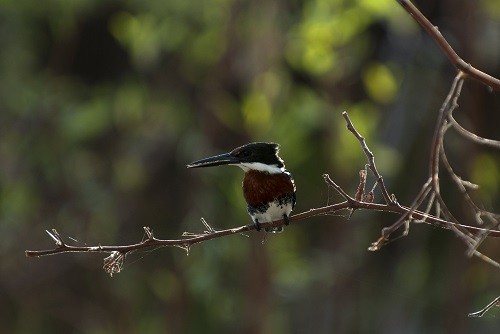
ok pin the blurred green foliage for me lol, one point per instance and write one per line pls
(102, 104)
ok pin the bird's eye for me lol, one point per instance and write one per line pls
(245, 153)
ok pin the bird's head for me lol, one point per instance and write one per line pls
(254, 156)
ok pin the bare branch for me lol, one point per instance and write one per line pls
(186, 242)
(472, 136)
(371, 159)
(450, 53)
(341, 191)
(56, 237)
(480, 313)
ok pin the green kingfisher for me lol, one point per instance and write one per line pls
(268, 188)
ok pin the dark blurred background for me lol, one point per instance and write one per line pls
(102, 104)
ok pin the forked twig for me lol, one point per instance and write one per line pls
(371, 160)
(480, 313)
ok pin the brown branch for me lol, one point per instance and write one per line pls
(186, 242)
(437, 150)
(407, 215)
(190, 239)
(351, 201)
(445, 120)
(432, 182)
(450, 53)
(431, 187)
(198, 238)
(371, 159)
(472, 136)
(473, 241)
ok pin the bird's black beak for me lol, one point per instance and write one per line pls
(218, 160)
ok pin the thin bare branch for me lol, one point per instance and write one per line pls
(341, 191)
(371, 159)
(450, 53)
(480, 313)
(461, 186)
(472, 136)
(407, 215)
(447, 107)
(186, 242)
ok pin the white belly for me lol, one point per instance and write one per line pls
(274, 212)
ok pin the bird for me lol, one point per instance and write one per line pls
(268, 188)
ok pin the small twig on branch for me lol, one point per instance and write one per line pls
(480, 313)
(407, 215)
(450, 53)
(341, 191)
(371, 159)
(56, 237)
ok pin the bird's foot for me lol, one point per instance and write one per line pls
(286, 220)
(257, 225)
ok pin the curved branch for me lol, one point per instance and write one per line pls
(450, 53)
(472, 136)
